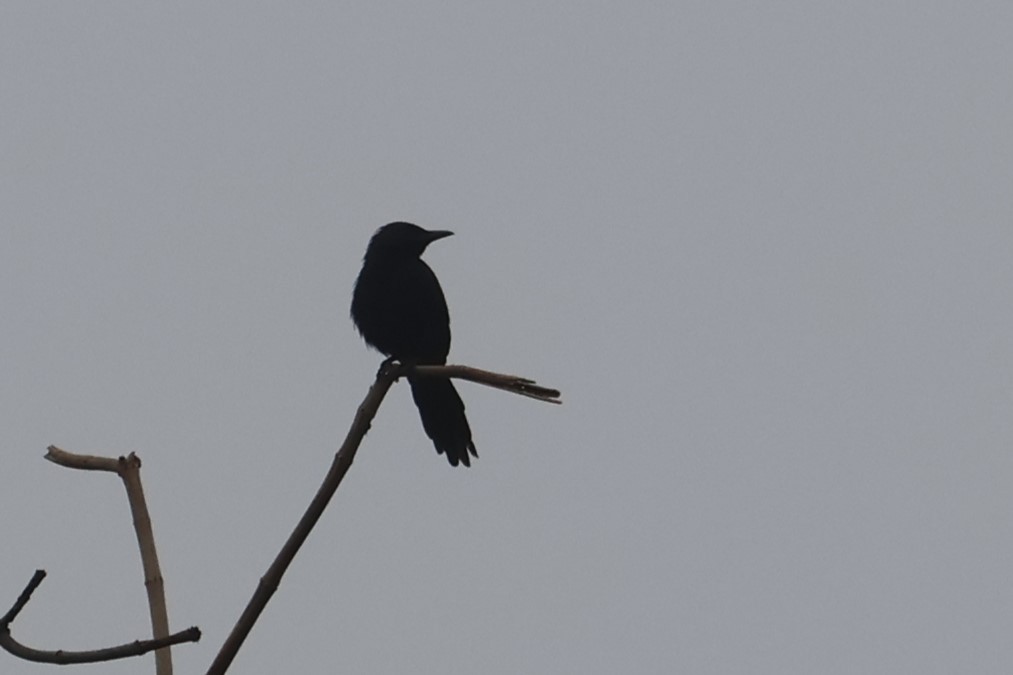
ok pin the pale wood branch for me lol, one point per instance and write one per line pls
(73, 460)
(512, 383)
(129, 470)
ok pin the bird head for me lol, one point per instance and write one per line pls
(402, 239)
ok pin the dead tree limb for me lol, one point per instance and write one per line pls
(389, 372)
(511, 383)
(128, 469)
(64, 657)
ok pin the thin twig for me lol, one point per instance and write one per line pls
(64, 657)
(512, 383)
(73, 460)
(7, 619)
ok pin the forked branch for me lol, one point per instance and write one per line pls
(364, 415)
(128, 469)
(64, 657)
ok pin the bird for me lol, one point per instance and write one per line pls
(399, 309)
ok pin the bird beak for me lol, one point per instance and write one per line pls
(438, 234)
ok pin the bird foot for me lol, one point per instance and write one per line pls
(387, 364)
(391, 362)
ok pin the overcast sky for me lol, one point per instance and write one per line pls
(763, 248)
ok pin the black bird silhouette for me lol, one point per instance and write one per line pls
(399, 308)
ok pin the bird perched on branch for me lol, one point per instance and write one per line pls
(399, 308)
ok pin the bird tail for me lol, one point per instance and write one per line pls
(442, 413)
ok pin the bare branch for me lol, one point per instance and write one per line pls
(129, 470)
(389, 372)
(272, 578)
(7, 619)
(511, 383)
(73, 460)
(154, 584)
(64, 657)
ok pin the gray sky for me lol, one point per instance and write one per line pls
(764, 249)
